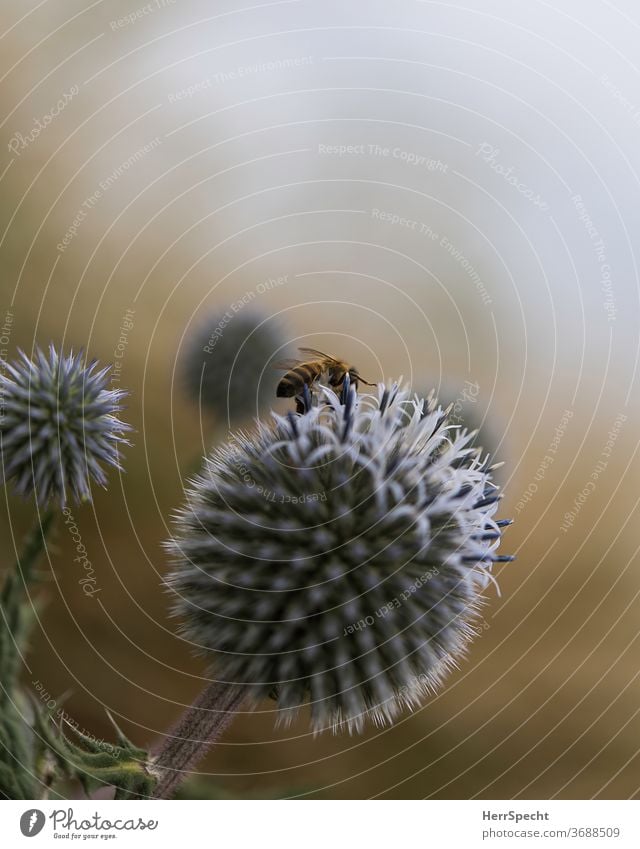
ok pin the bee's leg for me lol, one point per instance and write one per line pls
(300, 407)
(336, 379)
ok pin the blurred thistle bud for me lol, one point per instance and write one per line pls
(58, 425)
(338, 555)
(225, 363)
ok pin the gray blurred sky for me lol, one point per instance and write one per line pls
(440, 190)
(476, 124)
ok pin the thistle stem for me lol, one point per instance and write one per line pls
(192, 736)
(13, 588)
(34, 545)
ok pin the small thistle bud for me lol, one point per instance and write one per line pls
(58, 425)
(338, 555)
(225, 364)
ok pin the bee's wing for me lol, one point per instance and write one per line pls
(314, 352)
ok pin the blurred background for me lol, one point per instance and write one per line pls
(440, 190)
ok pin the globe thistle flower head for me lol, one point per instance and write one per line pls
(58, 425)
(467, 410)
(338, 555)
(225, 363)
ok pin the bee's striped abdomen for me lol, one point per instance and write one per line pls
(294, 380)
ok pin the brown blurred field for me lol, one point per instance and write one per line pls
(548, 703)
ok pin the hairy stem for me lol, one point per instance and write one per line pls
(16, 617)
(15, 613)
(34, 545)
(192, 736)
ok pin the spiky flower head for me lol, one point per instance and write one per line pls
(225, 364)
(58, 425)
(338, 555)
(468, 410)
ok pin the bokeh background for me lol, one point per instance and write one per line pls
(441, 190)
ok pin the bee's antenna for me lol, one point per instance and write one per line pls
(366, 382)
(357, 378)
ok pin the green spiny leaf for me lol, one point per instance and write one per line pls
(95, 763)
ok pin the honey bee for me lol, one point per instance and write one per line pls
(306, 372)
